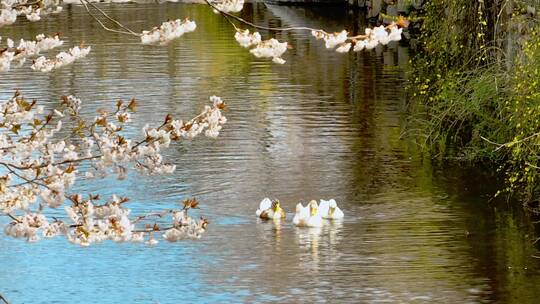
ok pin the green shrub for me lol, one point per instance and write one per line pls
(472, 100)
(523, 114)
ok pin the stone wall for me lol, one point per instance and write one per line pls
(374, 7)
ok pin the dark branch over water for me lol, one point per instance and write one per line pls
(3, 299)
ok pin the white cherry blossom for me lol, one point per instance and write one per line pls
(246, 39)
(43, 64)
(271, 48)
(42, 171)
(168, 31)
(228, 6)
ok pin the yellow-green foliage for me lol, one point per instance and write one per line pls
(454, 33)
(523, 112)
(473, 104)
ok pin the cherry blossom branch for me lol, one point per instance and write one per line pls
(150, 230)
(341, 42)
(26, 49)
(13, 217)
(27, 4)
(188, 204)
(25, 178)
(156, 214)
(32, 181)
(64, 162)
(244, 21)
(48, 119)
(49, 168)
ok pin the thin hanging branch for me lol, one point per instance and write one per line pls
(3, 299)
(230, 21)
(110, 18)
(511, 143)
(103, 25)
(11, 216)
(228, 16)
(244, 21)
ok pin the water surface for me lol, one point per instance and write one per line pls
(324, 125)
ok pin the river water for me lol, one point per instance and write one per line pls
(324, 125)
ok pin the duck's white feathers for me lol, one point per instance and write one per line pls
(265, 204)
(306, 218)
(324, 206)
(325, 209)
(301, 215)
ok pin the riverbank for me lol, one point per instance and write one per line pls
(474, 90)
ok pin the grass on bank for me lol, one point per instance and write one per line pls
(476, 93)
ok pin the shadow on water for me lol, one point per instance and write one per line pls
(323, 125)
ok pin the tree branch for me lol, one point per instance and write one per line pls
(156, 214)
(103, 25)
(27, 4)
(110, 18)
(53, 164)
(244, 21)
(13, 218)
(3, 299)
(511, 143)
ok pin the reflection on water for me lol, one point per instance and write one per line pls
(324, 125)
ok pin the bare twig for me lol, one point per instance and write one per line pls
(527, 138)
(153, 230)
(156, 214)
(35, 179)
(3, 299)
(511, 143)
(532, 166)
(36, 132)
(496, 27)
(244, 21)
(230, 21)
(103, 25)
(110, 18)
(499, 146)
(24, 177)
(53, 164)
(12, 217)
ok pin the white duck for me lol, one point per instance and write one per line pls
(270, 209)
(301, 215)
(330, 210)
(308, 216)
